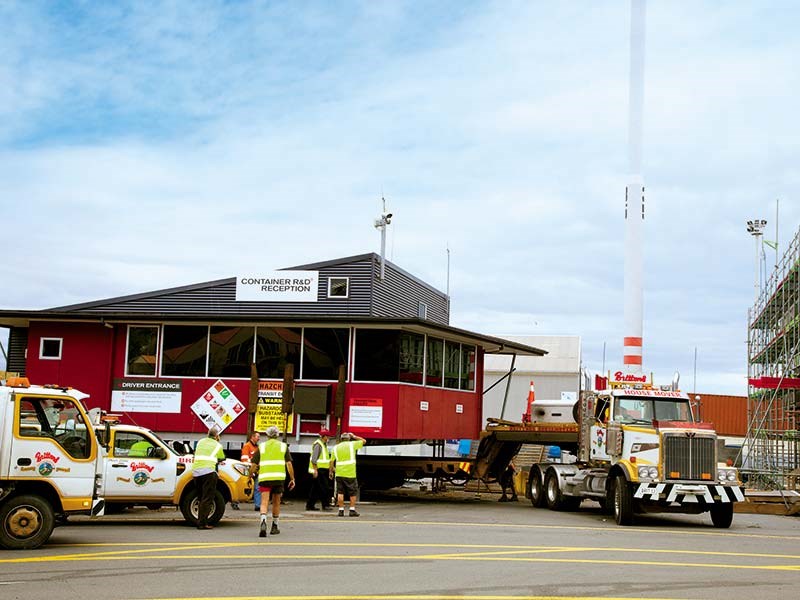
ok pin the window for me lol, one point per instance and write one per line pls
(132, 445)
(377, 355)
(230, 351)
(185, 350)
(412, 355)
(467, 367)
(435, 362)
(422, 310)
(58, 419)
(452, 364)
(142, 350)
(338, 287)
(323, 351)
(50, 348)
(275, 348)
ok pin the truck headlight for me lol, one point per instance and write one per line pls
(648, 473)
(726, 475)
(241, 468)
(731, 475)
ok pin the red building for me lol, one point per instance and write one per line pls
(179, 360)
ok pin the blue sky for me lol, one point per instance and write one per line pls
(147, 145)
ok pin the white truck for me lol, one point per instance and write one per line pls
(640, 451)
(141, 469)
(50, 462)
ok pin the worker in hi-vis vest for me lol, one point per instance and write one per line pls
(319, 468)
(344, 465)
(207, 455)
(272, 460)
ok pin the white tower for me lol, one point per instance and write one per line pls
(634, 198)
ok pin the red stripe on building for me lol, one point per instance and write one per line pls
(630, 359)
(632, 341)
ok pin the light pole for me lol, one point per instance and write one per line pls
(756, 229)
(381, 224)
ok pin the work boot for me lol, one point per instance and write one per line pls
(274, 529)
(262, 532)
(503, 499)
(341, 512)
(354, 513)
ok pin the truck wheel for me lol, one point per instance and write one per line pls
(535, 487)
(191, 502)
(722, 515)
(26, 522)
(623, 501)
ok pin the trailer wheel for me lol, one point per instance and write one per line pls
(535, 487)
(623, 501)
(26, 522)
(722, 515)
(190, 504)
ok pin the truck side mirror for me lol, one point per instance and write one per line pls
(159, 453)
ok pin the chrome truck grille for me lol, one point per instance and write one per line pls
(687, 456)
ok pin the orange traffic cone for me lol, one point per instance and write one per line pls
(526, 418)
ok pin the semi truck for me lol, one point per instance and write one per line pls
(639, 450)
(50, 462)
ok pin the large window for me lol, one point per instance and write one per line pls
(275, 348)
(452, 364)
(467, 367)
(230, 351)
(142, 349)
(412, 356)
(184, 350)
(324, 350)
(435, 362)
(377, 355)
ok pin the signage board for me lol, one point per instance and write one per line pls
(268, 410)
(146, 395)
(278, 286)
(218, 406)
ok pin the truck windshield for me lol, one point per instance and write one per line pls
(646, 410)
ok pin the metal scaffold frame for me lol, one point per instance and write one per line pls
(771, 453)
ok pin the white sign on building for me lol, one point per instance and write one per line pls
(278, 286)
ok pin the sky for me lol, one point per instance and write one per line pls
(147, 145)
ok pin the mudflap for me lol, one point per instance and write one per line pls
(98, 507)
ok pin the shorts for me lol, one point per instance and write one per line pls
(347, 485)
(271, 487)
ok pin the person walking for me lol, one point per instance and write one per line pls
(319, 469)
(507, 482)
(272, 460)
(248, 450)
(207, 456)
(344, 456)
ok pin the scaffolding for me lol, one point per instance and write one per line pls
(771, 453)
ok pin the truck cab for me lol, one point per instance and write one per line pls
(50, 461)
(141, 469)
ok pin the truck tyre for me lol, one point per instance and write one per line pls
(722, 515)
(26, 522)
(536, 488)
(190, 503)
(623, 501)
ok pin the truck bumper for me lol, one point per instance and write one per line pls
(689, 493)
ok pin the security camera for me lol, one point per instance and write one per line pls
(388, 218)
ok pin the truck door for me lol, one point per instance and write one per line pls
(133, 471)
(53, 441)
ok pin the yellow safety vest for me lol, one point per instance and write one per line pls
(345, 454)
(324, 460)
(206, 454)
(272, 463)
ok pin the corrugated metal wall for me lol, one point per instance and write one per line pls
(727, 413)
(399, 295)
(17, 344)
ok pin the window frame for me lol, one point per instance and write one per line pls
(159, 330)
(60, 341)
(347, 287)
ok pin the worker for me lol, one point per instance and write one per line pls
(207, 456)
(272, 460)
(140, 449)
(248, 450)
(507, 482)
(344, 456)
(319, 469)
